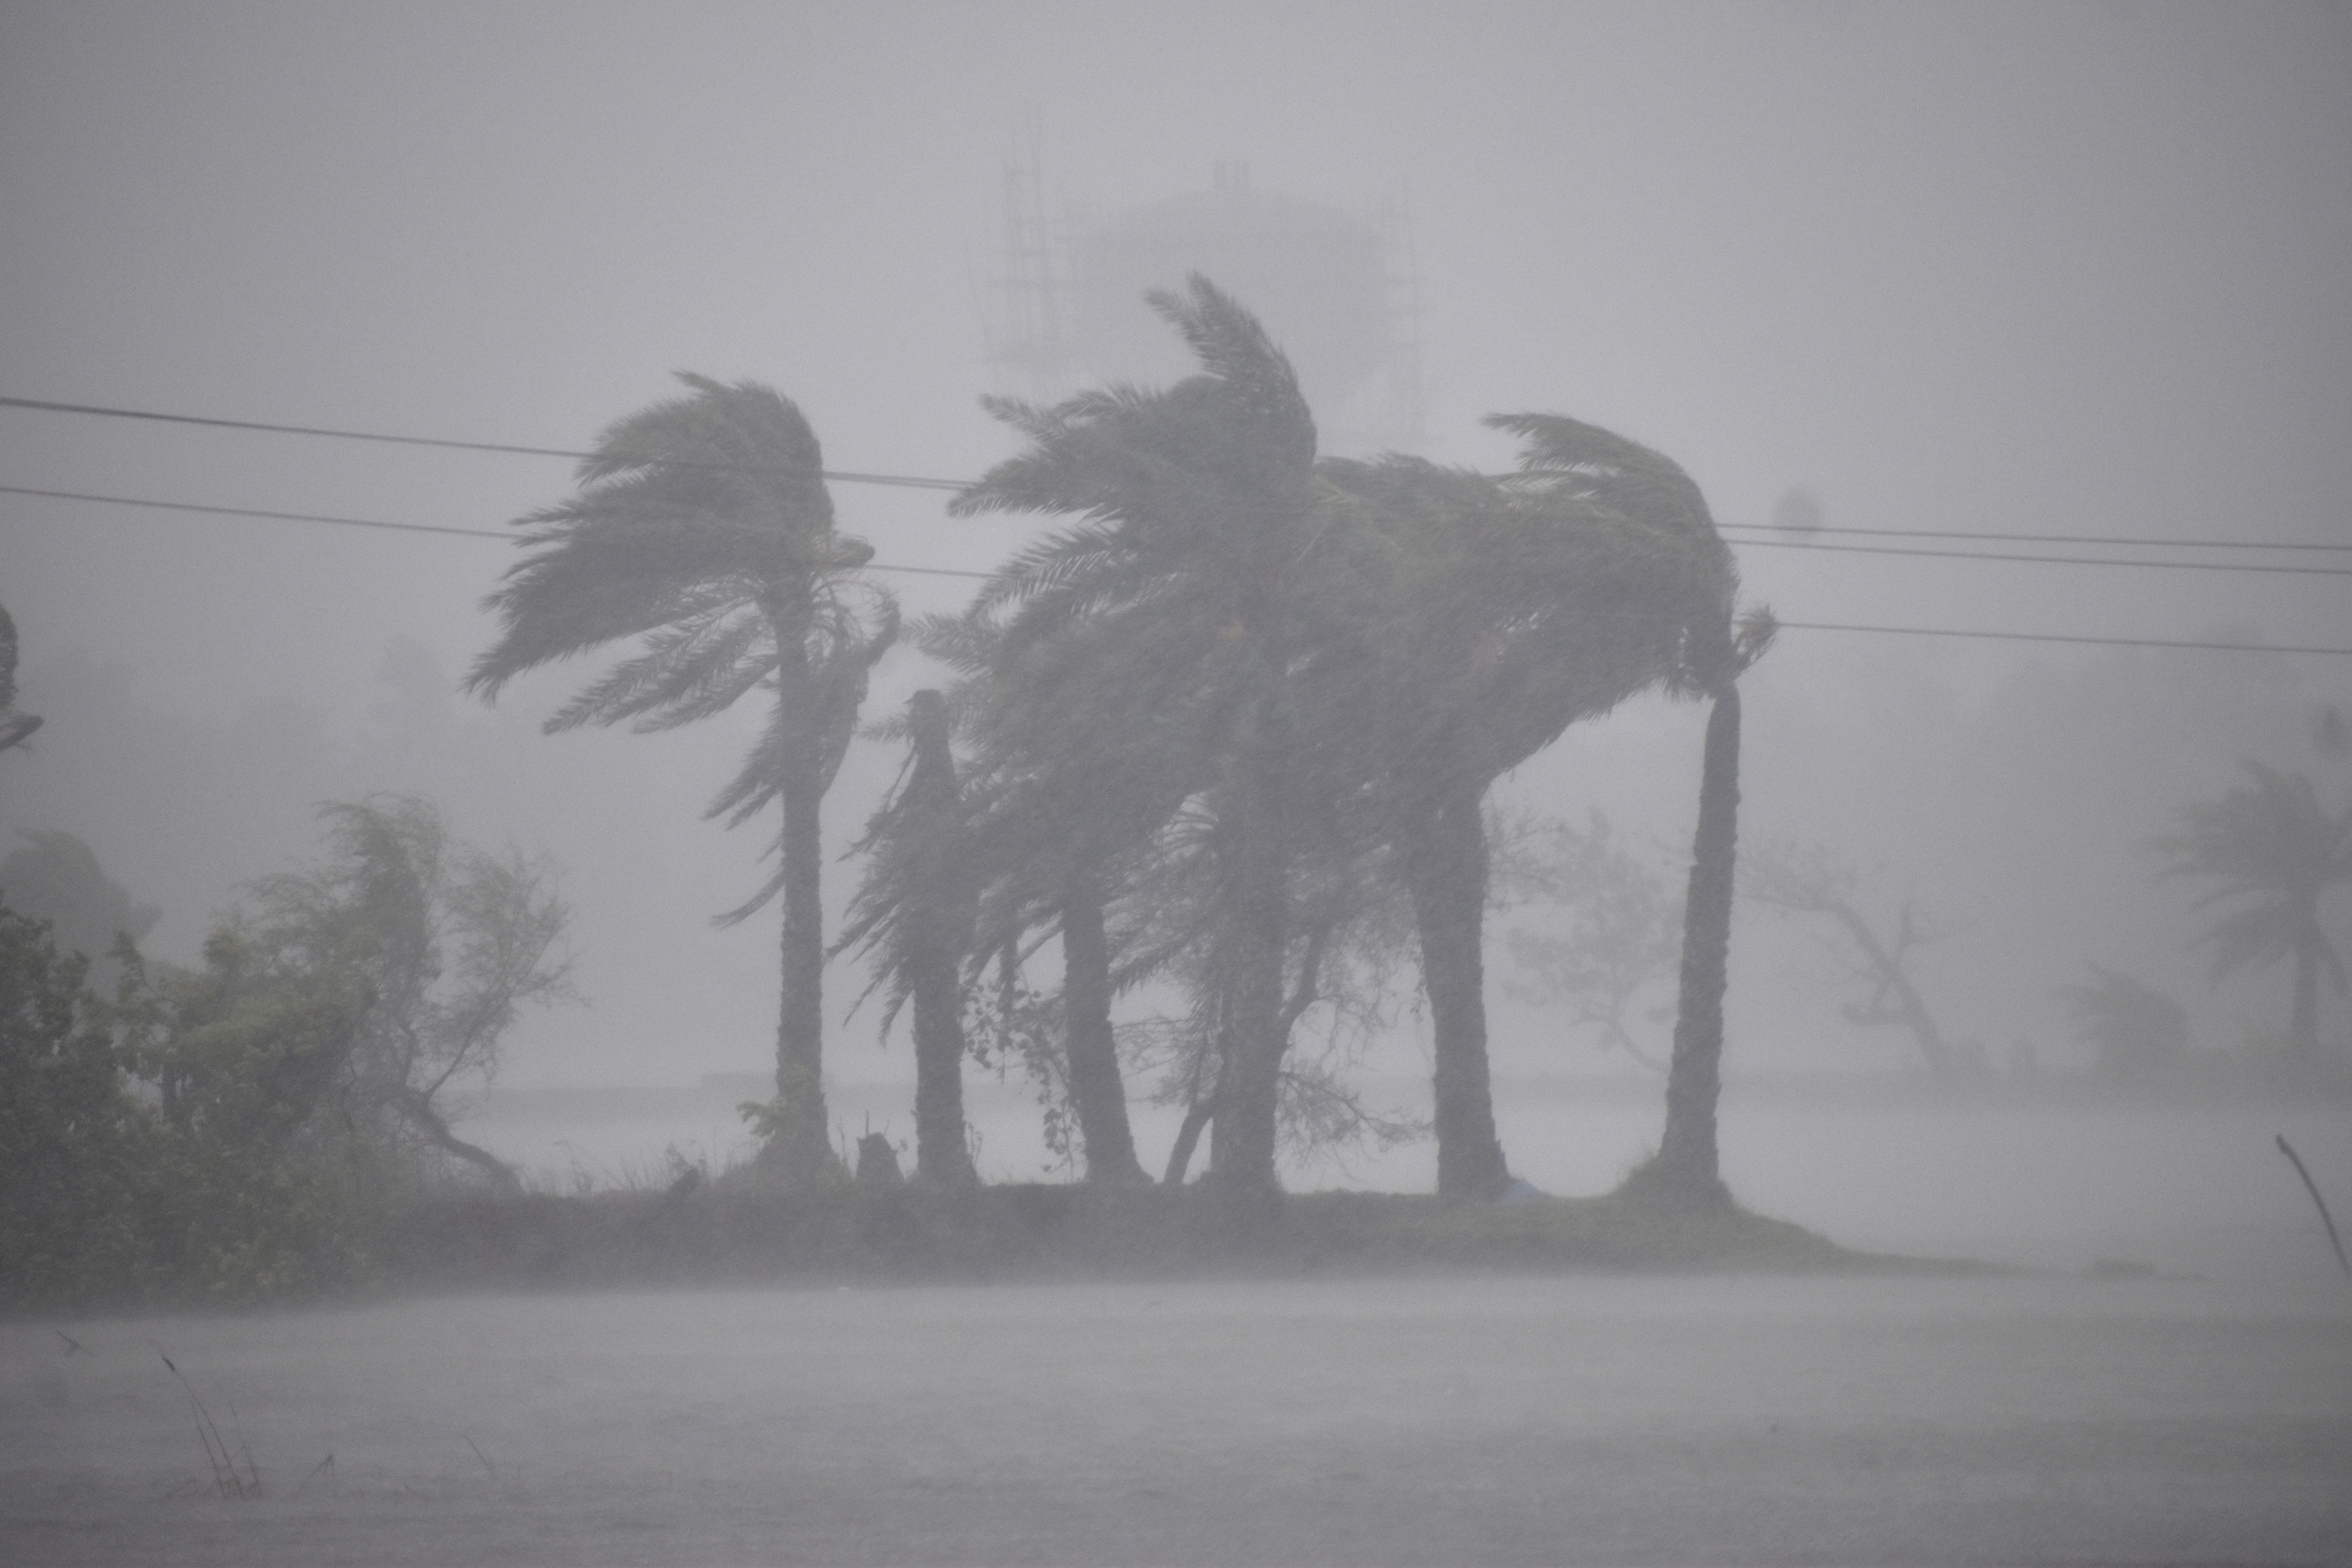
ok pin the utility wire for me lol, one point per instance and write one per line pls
(837, 478)
(361, 523)
(982, 576)
(2100, 539)
(1766, 544)
(2054, 560)
(2061, 637)
(917, 482)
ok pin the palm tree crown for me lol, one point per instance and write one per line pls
(702, 532)
(2270, 847)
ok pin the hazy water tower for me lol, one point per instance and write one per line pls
(1336, 291)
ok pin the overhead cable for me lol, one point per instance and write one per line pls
(963, 573)
(904, 480)
(919, 482)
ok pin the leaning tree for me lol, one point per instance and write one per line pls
(1491, 615)
(703, 534)
(1067, 786)
(2271, 849)
(1195, 506)
(1716, 646)
(913, 914)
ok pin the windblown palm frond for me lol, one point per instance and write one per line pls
(2270, 841)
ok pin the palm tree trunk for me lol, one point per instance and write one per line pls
(942, 1150)
(938, 932)
(804, 1143)
(1093, 1048)
(1686, 1163)
(1445, 863)
(1242, 1138)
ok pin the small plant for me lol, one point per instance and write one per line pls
(228, 1480)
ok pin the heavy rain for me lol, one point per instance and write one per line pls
(1218, 783)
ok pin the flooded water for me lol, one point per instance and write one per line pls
(1601, 1420)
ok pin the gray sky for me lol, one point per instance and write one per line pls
(2070, 269)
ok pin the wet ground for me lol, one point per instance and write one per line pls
(1578, 1420)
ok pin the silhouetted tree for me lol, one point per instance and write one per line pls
(1807, 879)
(56, 876)
(2137, 1030)
(1505, 612)
(15, 728)
(914, 912)
(1623, 928)
(1714, 650)
(441, 947)
(1196, 506)
(702, 526)
(2272, 849)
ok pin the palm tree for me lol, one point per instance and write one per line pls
(1195, 506)
(1064, 796)
(1715, 648)
(1511, 610)
(915, 908)
(2271, 846)
(15, 728)
(702, 526)
(1687, 1165)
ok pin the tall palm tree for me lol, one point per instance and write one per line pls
(1715, 648)
(1508, 611)
(702, 532)
(915, 908)
(1687, 1165)
(1195, 506)
(2271, 847)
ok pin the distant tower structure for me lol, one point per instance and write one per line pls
(1340, 294)
(1027, 315)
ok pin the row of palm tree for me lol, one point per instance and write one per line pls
(1229, 724)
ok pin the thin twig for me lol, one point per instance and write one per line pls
(326, 1467)
(2312, 1187)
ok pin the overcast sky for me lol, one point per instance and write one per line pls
(2039, 268)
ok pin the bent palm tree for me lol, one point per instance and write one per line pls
(2270, 845)
(1715, 649)
(1687, 1165)
(1196, 505)
(1062, 795)
(1515, 609)
(702, 527)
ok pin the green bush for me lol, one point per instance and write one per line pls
(79, 1153)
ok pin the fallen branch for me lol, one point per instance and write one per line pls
(2312, 1187)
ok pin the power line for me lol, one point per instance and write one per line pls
(359, 521)
(2062, 637)
(254, 512)
(836, 477)
(956, 571)
(2099, 539)
(918, 482)
(2056, 560)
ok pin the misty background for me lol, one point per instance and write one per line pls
(2049, 270)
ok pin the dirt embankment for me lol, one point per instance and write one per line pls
(709, 1237)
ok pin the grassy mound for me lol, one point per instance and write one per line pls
(1020, 1232)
